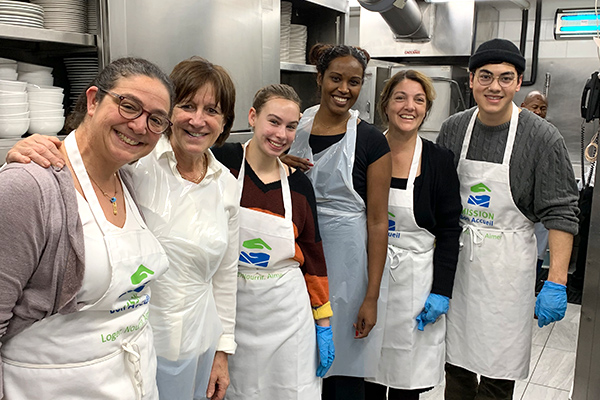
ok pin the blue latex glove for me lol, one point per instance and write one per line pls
(435, 306)
(551, 303)
(326, 349)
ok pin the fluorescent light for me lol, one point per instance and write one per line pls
(576, 23)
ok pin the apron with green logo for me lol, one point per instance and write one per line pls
(410, 359)
(105, 350)
(491, 311)
(276, 357)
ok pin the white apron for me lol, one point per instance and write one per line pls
(276, 356)
(343, 227)
(491, 311)
(410, 359)
(191, 223)
(105, 350)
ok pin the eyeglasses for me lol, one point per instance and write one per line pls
(486, 79)
(131, 109)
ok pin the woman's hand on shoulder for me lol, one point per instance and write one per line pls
(296, 162)
(42, 150)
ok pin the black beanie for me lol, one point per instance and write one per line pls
(497, 51)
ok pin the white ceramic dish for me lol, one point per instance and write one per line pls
(43, 106)
(12, 86)
(47, 113)
(47, 96)
(5, 115)
(13, 128)
(46, 126)
(28, 67)
(13, 97)
(44, 88)
(14, 108)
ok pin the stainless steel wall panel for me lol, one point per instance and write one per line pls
(240, 35)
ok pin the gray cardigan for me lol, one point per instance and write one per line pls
(41, 247)
(542, 180)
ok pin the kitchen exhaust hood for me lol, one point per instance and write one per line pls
(404, 18)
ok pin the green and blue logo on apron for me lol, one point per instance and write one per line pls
(259, 259)
(482, 200)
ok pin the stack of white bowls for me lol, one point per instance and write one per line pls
(14, 109)
(35, 74)
(46, 112)
(8, 69)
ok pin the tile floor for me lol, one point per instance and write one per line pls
(552, 362)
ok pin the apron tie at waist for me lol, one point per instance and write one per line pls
(133, 357)
(476, 238)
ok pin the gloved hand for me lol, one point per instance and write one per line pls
(551, 303)
(435, 306)
(326, 349)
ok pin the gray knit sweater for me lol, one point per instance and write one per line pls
(542, 180)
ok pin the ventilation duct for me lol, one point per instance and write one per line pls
(404, 18)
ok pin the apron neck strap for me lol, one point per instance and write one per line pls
(510, 140)
(285, 185)
(414, 166)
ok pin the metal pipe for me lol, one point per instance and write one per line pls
(524, 24)
(536, 43)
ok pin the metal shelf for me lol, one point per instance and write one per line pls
(286, 66)
(16, 32)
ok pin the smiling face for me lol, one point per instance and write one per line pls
(274, 126)
(341, 84)
(407, 107)
(197, 123)
(119, 140)
(495, 101)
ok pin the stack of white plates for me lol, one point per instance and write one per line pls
(81, 71)
(14, 109)
(46, 111)
(92, 17)
(23, 14)
(64, 15)
(284, 31)
(298, 35)
(8, 69)
(35, 74)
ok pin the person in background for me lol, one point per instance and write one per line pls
(283, 307)
(77, 257)
(423, 211)
(537, 103)
(349, 165)
(514, 170)
(190, 202)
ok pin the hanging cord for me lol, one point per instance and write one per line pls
(591, 155)
(583, 152)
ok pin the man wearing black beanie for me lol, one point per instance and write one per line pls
(514, 170)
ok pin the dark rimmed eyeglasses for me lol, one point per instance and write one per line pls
(485, 79)
(131, 109)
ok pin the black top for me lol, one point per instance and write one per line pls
(437, 208)
(371, 145)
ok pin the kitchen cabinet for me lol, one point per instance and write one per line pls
(327, 22)
(45, 47)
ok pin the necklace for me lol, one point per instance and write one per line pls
(200, 177)
(112, 199)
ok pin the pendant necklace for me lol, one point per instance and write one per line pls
(112, 199)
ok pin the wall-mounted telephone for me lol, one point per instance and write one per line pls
(590, 99)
